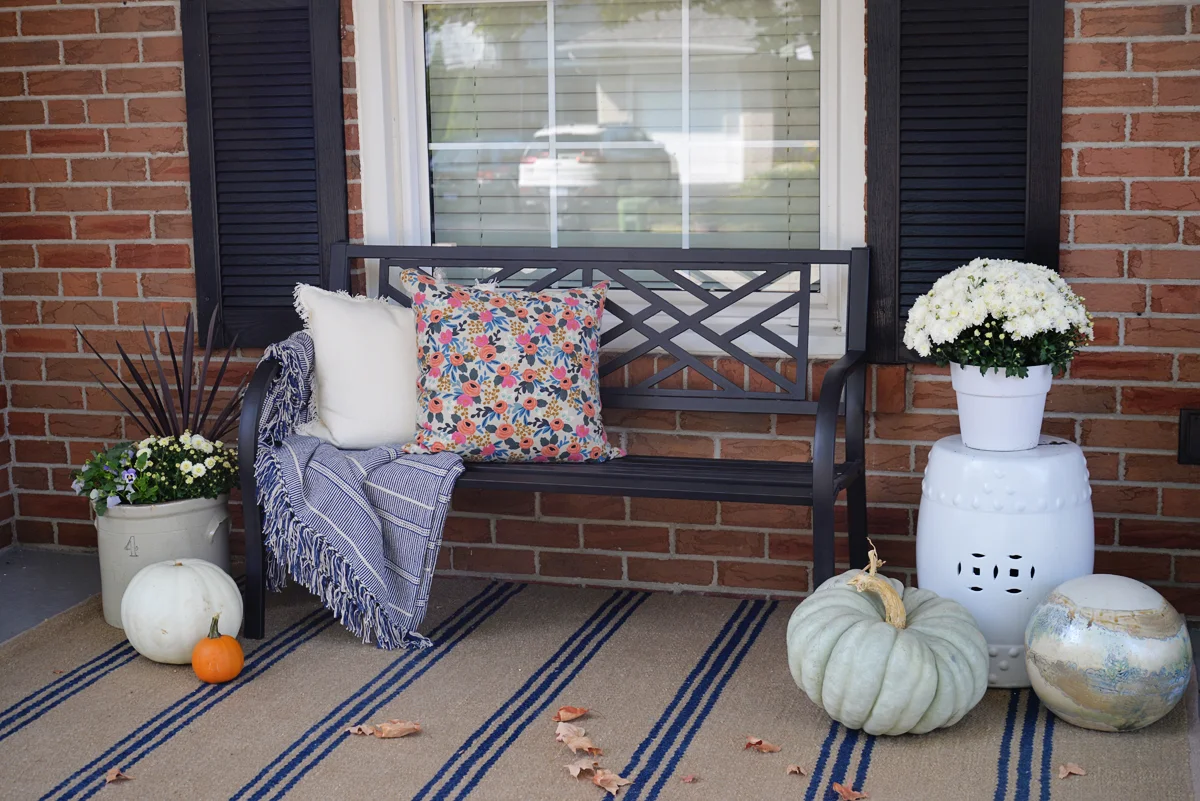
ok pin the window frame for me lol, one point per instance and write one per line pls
(394, 151)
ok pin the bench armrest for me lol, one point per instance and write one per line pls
(256, 574)
(252, 409)
(825, 435)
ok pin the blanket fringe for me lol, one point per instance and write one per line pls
(297, 550)
(292, 547)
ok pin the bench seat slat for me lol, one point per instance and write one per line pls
(661, 477)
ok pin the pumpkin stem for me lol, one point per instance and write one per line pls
(869, 580)
(213, 634)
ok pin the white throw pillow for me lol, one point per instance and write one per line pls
(366, 368)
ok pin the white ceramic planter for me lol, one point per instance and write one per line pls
(132, 537)
(998, 413)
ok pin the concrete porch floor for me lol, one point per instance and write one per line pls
(37, 584)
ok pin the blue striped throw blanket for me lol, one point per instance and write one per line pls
(360, 529)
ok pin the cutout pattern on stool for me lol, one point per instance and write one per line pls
(1011, 573)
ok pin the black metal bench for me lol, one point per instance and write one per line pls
(644, 272)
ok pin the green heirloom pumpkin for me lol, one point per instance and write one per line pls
(885, 659)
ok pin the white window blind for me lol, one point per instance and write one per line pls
(665, 123)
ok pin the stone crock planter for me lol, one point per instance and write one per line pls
(131, 537)
(998, 413)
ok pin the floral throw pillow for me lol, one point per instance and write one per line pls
(508, 375)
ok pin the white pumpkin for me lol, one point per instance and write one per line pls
(168, 606)
(885, 659)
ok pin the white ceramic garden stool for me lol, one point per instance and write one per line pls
(998, 530)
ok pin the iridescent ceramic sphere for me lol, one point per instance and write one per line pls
(1108, 653)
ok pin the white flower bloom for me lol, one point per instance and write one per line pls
(146, 443)
(219, 444)
(198, 470)
(185, 466)
(165, 441)
(1025, 299)
(198, 442)
(94, 494)
(210, 463)
(143, 452)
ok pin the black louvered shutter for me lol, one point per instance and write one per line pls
(267, 150)
(964, 116)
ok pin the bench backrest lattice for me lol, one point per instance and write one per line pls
(643, 274)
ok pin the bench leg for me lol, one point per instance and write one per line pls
(254, 616)
(822, 528)
(856, 501)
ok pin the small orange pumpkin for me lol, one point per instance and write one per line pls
(218, 657)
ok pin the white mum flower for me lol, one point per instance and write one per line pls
(1025, 299)
(185, 440)
(198, 442)
(185, 466)
(210, 462)
(165, 441)
(198, 470)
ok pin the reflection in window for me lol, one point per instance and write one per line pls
(660, 123)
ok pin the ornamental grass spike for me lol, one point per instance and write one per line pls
(163, 411)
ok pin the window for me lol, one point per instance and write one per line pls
(623, 123)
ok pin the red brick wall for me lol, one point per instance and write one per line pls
(94, 223)
(1131, 245)
(95, 228)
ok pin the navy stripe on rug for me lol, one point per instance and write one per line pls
(1047, 757)
(1033, 709)
(171, 720)
(841, 765)
(818, 772)
(685, 689)
(534, 695)
(312, 747)
(530, 713)
(33, 706)
(1010, 723)
(30, 708)
(864, 763)
(758, 618)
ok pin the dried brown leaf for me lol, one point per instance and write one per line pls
(689, 779)
(795, 769)
(1070, 769)
(396, 728)
(116, 775)
(581, 766)
(761, 745)
(848, 793)
(609, 780)
(564, 731)
(388, 730)
(566, 713)
(585, 744)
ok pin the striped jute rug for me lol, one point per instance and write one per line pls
(676, 683)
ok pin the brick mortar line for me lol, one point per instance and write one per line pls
(718, 590)
(1094, 75)
(1127, 179)
(689, 557)
(1152, 108)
